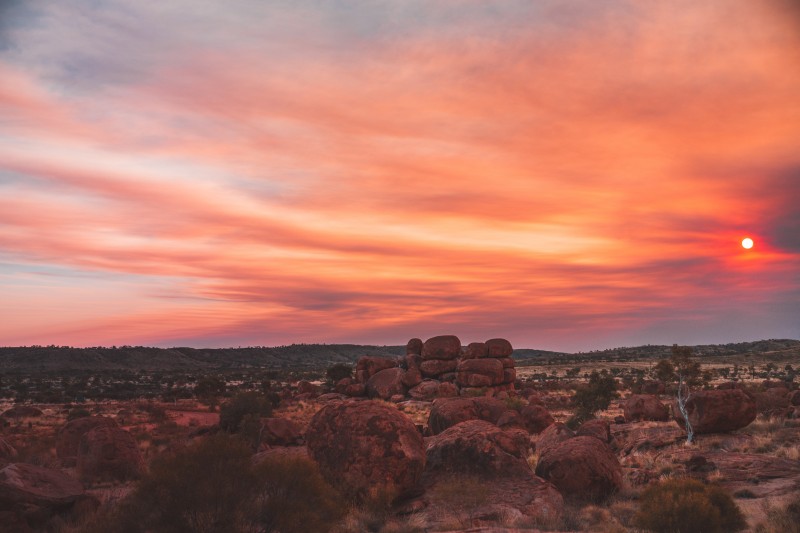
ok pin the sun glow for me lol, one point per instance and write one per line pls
(747, 243)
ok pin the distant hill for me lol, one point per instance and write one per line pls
(52, 359)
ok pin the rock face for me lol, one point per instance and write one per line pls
(480, 373)
(281, 432)
(369, 365)
(645, 407)
(432, 368)
(495, 458)
(109, 452)
(552, 437)
(718, 411)
(794, 397)
(30, 485)
(386, 383)
(476, 447)
(582, 468)
(447, 412)
(441, 347)
(366, 445)
(475, 350)
(536, 418)
(69, 436)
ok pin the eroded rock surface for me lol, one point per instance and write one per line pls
(718, 411)
(583, 468)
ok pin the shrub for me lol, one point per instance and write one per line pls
(781, 520)
(243, 407)
(339, 371)
(686, 506)
(596, 395)
(213, 486)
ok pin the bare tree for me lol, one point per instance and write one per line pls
(688, 375)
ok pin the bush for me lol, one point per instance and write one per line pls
(339, 371)
(781, 520)
(242, 408)
(596, 395)
(687, 506)
(77, 412)
(213, 486)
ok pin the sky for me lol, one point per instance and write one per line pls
(567, 174)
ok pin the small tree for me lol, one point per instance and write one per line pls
(596, 395)
(209, 389)
(688, 375)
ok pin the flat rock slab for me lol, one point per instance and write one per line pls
(763, 475)
(35, 485)
(638, 437)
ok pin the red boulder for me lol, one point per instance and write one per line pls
(645, 407)
(442, 347)
(583, 468)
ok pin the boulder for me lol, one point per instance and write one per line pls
(369, 365)
(597, 428)
(552, 437)
(645, 407)
(441, 347)
(447, 412)
(281, 432)
(412, 377)
(107, 452)
(23, 485)
(69, 435)
(480, 373)
(366, 446)
(509, 374)
(499, 348)
(447, 390)
(773, 400)
(386, 383)
(475, 350)
(414, 347)
(306, 387)
(427, 390)
(22, 411)
(476, 447)
(583, 468)
(435, 367)
(507, 362)
(718, 411)
(536, 418)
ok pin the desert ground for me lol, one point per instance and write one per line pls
(384, 449)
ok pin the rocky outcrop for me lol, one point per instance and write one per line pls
(386, 383)
(363, 446)
(718, 411)
(433, 368)
(644, 407)
(599, 429)
(480, 373)
(414, 347)
(107, 452)
(68, 437)
(447, 412)
(475, 350)
(499, 348)
(431, 389)
(582, 468)
(441, 347)
(349, 387)
(536, 417)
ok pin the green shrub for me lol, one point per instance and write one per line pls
(214, 487)
(243, 408)
(688, 506)
(596, 395)
(339, 371)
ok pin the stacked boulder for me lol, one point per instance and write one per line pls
(437, 368)
(487, 365)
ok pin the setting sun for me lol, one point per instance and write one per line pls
(747, 243)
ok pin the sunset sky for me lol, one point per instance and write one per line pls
(570, 175)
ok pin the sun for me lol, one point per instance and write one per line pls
(747, 243)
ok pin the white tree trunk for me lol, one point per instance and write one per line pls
(683, 397)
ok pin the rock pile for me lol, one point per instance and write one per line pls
(108, 452)
(440, 367)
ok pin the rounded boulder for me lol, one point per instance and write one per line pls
(364, 446)
(582, 468)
